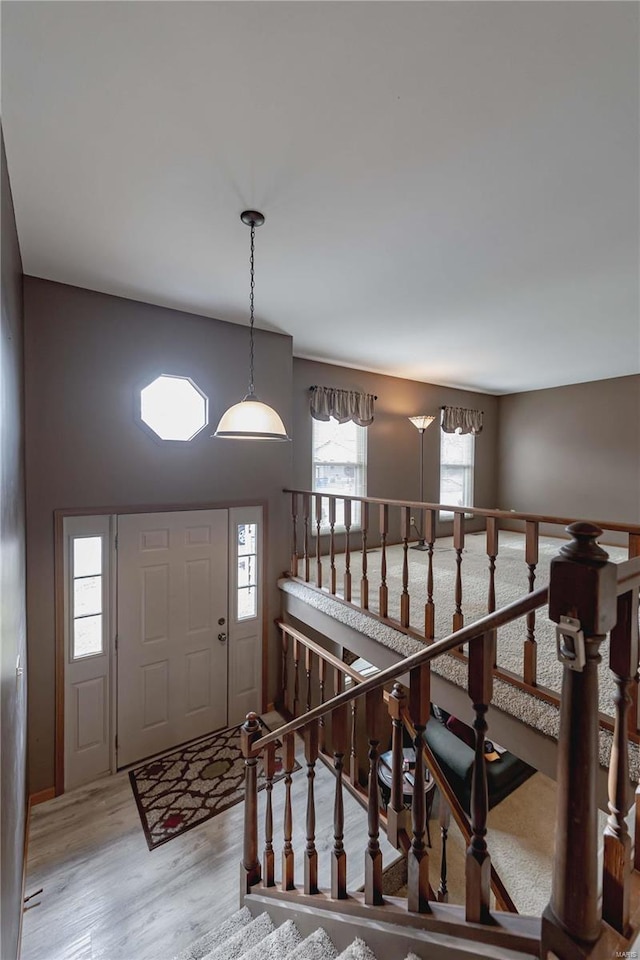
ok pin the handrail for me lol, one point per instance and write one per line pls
(633, 528)
(320, 651)
(628, 575)
(513, 611)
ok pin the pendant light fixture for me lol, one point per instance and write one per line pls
(251, 419)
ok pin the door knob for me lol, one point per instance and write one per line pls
(222, 637)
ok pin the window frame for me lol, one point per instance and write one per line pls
(468, 468)
(360, 465)
(255, 585)
(150, 378)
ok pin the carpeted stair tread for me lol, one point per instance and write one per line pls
(243, 941)
(214, 938)
(277, 945)
(317, 946)
(358, 950)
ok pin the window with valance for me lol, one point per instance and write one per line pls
(339, 447)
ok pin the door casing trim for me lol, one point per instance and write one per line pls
(59, 597)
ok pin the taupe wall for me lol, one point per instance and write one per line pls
(393, 443)
(13, 694)
(572, 451)
(86, 356)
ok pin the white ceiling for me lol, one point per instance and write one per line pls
(450, 189)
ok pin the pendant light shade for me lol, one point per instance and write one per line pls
(251, 419)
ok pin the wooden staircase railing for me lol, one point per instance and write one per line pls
(395, 820)
(387, 522)
(588, 597)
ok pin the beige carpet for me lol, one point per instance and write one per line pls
(520, 839)
(511, 583)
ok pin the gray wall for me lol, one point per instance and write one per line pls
(13, 697)
(572, 451)
(86, 355)
(393, 443)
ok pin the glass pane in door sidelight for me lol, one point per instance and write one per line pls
(87, 636)
(87, 556)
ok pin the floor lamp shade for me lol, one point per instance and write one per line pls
(421, 423)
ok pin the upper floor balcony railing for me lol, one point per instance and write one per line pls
(392, 566)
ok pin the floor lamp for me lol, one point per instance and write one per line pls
(421, 424)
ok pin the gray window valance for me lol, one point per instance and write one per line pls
(344, 405)
(461, 420)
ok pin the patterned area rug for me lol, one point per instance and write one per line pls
(184, 788)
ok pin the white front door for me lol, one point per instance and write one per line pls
(172, 629)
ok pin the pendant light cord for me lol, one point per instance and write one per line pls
(251, 261)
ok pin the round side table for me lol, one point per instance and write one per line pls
(384, 780)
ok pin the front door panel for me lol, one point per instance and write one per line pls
(172, 593)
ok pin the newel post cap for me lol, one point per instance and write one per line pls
(250, 731)
(583, 581)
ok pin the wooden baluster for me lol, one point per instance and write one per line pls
(384, 590)
(306, 509)
(294, 539)
(318, 541)
(286, 694)
(478, 861)
(296, 676)
(418, 855)
(289, 749)
(307, 669)
(492, 553)
(338, 855)
(332, 542)
(347, 549)
(458, 543)
(582, 587)
(623, 660)
(405, 533)
(364, 583)
(373, 855)
(396, 813)
(353, 755)
(444, 820)
(530, 647)
(322, 677)
(429, 609)
(633, 716)
(268, 861)
(310, 853)
(250, 866)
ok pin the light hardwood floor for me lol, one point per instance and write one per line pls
(107, 897)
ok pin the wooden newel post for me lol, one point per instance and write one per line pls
(250, 866)
(582, 601)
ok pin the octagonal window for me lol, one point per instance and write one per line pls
(173, 407)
